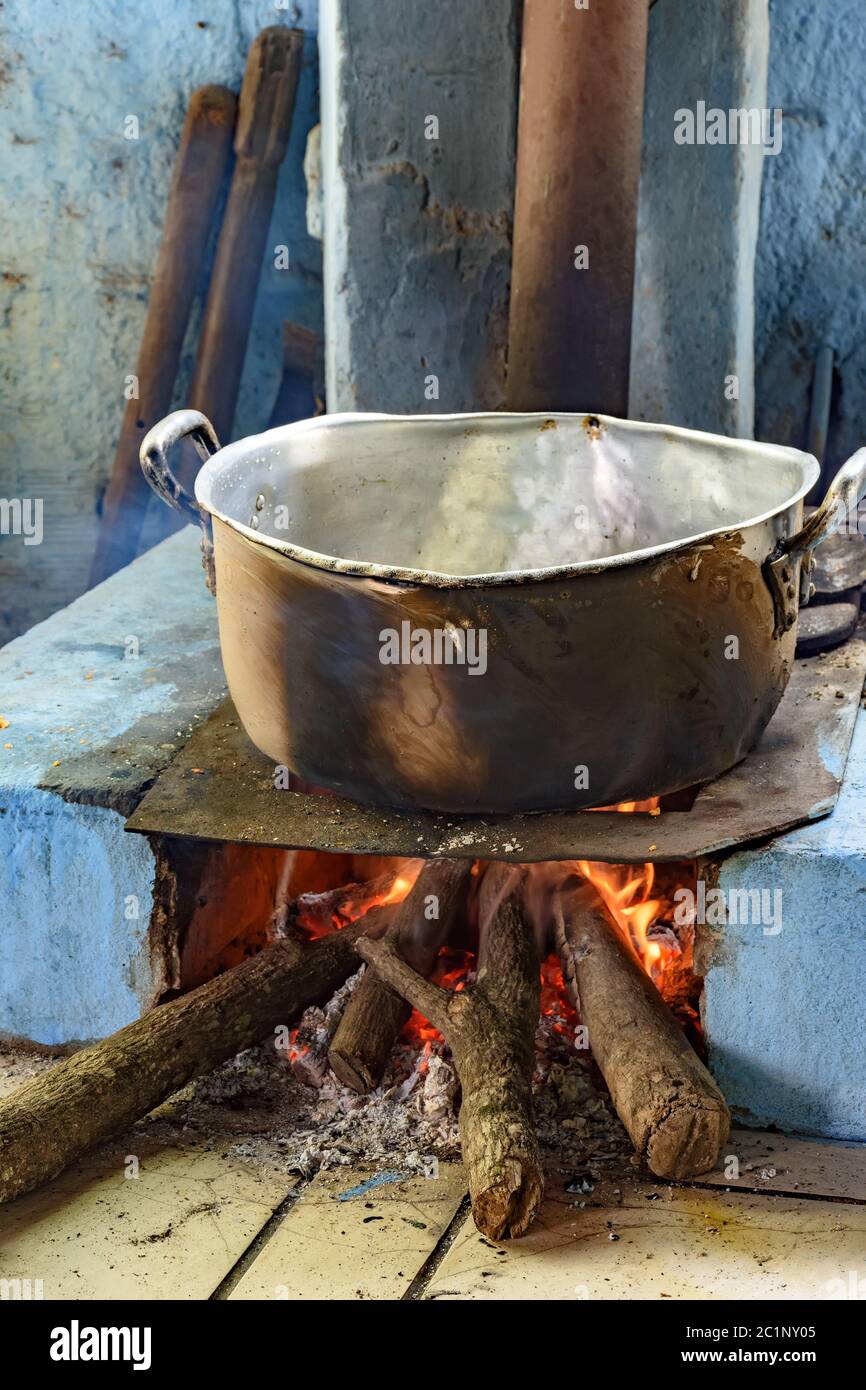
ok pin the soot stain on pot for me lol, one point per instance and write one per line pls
(713, 594)
(651, 624)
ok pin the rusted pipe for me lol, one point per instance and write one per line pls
(578, 168)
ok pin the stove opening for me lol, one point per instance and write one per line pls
(512, 1011)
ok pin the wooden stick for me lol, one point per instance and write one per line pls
(369, 1028)
(199, 171)
(490, 1029)
(267, 102)
(97, 1092)
(672, 1108)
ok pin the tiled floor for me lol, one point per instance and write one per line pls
(197, 1222)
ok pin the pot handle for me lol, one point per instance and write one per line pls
(839, 506)
(153, 455)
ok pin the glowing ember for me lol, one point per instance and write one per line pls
(451, 972)
(555, 1003)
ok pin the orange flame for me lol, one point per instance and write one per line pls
(396, 893)
(626, 890)
(450, 971)
(361, 899)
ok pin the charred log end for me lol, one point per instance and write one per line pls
(687, 1141)
(507, 1208)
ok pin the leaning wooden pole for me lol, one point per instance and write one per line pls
(371, 1024)
(199, 173)
(55, 1118)
(490, 1029)
(674, 1112)
(265, 110)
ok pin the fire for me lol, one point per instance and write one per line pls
(396, 893)
(451, 972)
(638, 898)
(627, 892)
(555, 1003)
(323, 913)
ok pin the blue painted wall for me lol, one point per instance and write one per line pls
(83, 210)
(811, 268)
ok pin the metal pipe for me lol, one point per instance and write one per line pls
(578, 168)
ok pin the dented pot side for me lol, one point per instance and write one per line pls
(635, 586)
(620, 671)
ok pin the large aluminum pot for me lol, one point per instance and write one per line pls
(493, 612)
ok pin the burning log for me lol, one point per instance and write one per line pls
(674, 1112)
(374, 1016)
(56, 1117)
(308, 1051)
(490, 1029)
(322, 912)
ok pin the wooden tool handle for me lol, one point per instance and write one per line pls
(268, 95)
(199, 172)
(264, 122)
(296, 398)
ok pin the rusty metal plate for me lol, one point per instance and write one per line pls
(220, 787)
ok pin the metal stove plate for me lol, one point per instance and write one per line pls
(220, 787)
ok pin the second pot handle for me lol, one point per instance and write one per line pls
(839, 506)
(154, 458)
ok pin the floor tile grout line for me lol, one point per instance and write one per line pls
(262, 1238)
(686, 1184)
(422, 1279)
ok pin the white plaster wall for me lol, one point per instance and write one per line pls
(81, 219)
(698, 218)
(90, 721)
(417, 230)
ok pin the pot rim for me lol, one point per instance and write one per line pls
(370, 569)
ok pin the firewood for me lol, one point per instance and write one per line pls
(56, 1117)
(323, 911)
(490, 1029)
(369, 1028)
(674, 1112)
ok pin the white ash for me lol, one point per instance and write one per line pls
(255, 1107)
(410, 1120)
